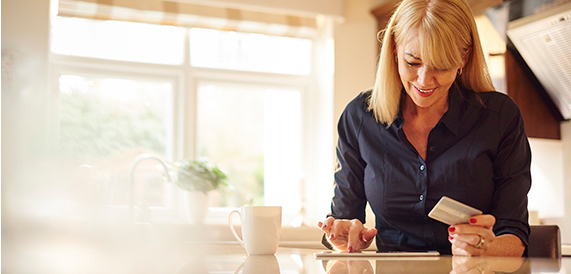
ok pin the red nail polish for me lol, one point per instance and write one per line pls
(350, 249)
(450, 238)
(472, 220)
(331, 236)
(451, 229)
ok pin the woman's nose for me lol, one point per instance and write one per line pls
(425, 76)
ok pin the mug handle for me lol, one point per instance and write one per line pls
(232, 226)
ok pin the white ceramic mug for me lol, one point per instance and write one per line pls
(261, 228)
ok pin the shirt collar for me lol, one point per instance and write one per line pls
(398, 122)
(461, 102)
(451, 119)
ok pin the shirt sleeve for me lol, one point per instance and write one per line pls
(349, 198)
(512, 176)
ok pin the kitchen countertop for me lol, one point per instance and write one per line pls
(63, 248)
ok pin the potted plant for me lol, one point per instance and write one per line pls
(197, 178)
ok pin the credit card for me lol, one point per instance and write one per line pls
(452, 212)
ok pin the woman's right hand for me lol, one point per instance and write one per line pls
(347, 235)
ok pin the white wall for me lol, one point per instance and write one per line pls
(565, 222)
(25, 34)
(553, 169)
(547, 178)
(551, 181)
(355, 53)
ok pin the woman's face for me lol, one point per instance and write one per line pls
(426, 86)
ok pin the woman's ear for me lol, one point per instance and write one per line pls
(466, 56)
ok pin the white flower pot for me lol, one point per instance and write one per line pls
(195, 205)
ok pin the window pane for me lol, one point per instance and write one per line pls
(106, 122)
(249, 51)
(253, 132)
(117, 40)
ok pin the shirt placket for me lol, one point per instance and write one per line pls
(427, 231)
(421, 187)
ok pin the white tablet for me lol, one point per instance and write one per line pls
(415, 255)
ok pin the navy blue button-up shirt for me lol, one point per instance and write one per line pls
(478, 154)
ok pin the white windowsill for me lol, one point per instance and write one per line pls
(290, 236)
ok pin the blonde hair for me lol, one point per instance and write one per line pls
(447, 31)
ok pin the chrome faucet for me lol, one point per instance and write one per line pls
(134, 164)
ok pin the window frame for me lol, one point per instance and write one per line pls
(185, 79)
(84, 66)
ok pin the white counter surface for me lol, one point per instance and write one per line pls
(68, 249)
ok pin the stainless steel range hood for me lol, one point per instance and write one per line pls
(544, 42)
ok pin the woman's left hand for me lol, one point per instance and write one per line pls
(472, 239)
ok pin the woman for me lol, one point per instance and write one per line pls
(432, 126)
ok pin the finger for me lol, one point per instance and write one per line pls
(367, 237)
(354, 235)
(467, 229)
(339, 227)
(471, 239)
(327, 224)
(456, 251)
(474, 240)
(369, 234)
(464, 248)
(485, 220)
(338, 233)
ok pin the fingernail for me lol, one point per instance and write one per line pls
(472, 220)
(451, 229)
(350, 249)
(450, 238)
(331, 236)
(324, 226)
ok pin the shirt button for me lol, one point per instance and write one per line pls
(421, 167)
(431, 148)
(421, 197)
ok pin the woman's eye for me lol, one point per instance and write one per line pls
(410, 64)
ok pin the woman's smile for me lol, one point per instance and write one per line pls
(424, 92)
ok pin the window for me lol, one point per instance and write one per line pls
(106, 121)
(129, 88)
(255, 132)
(249, 51)
(115, 40)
